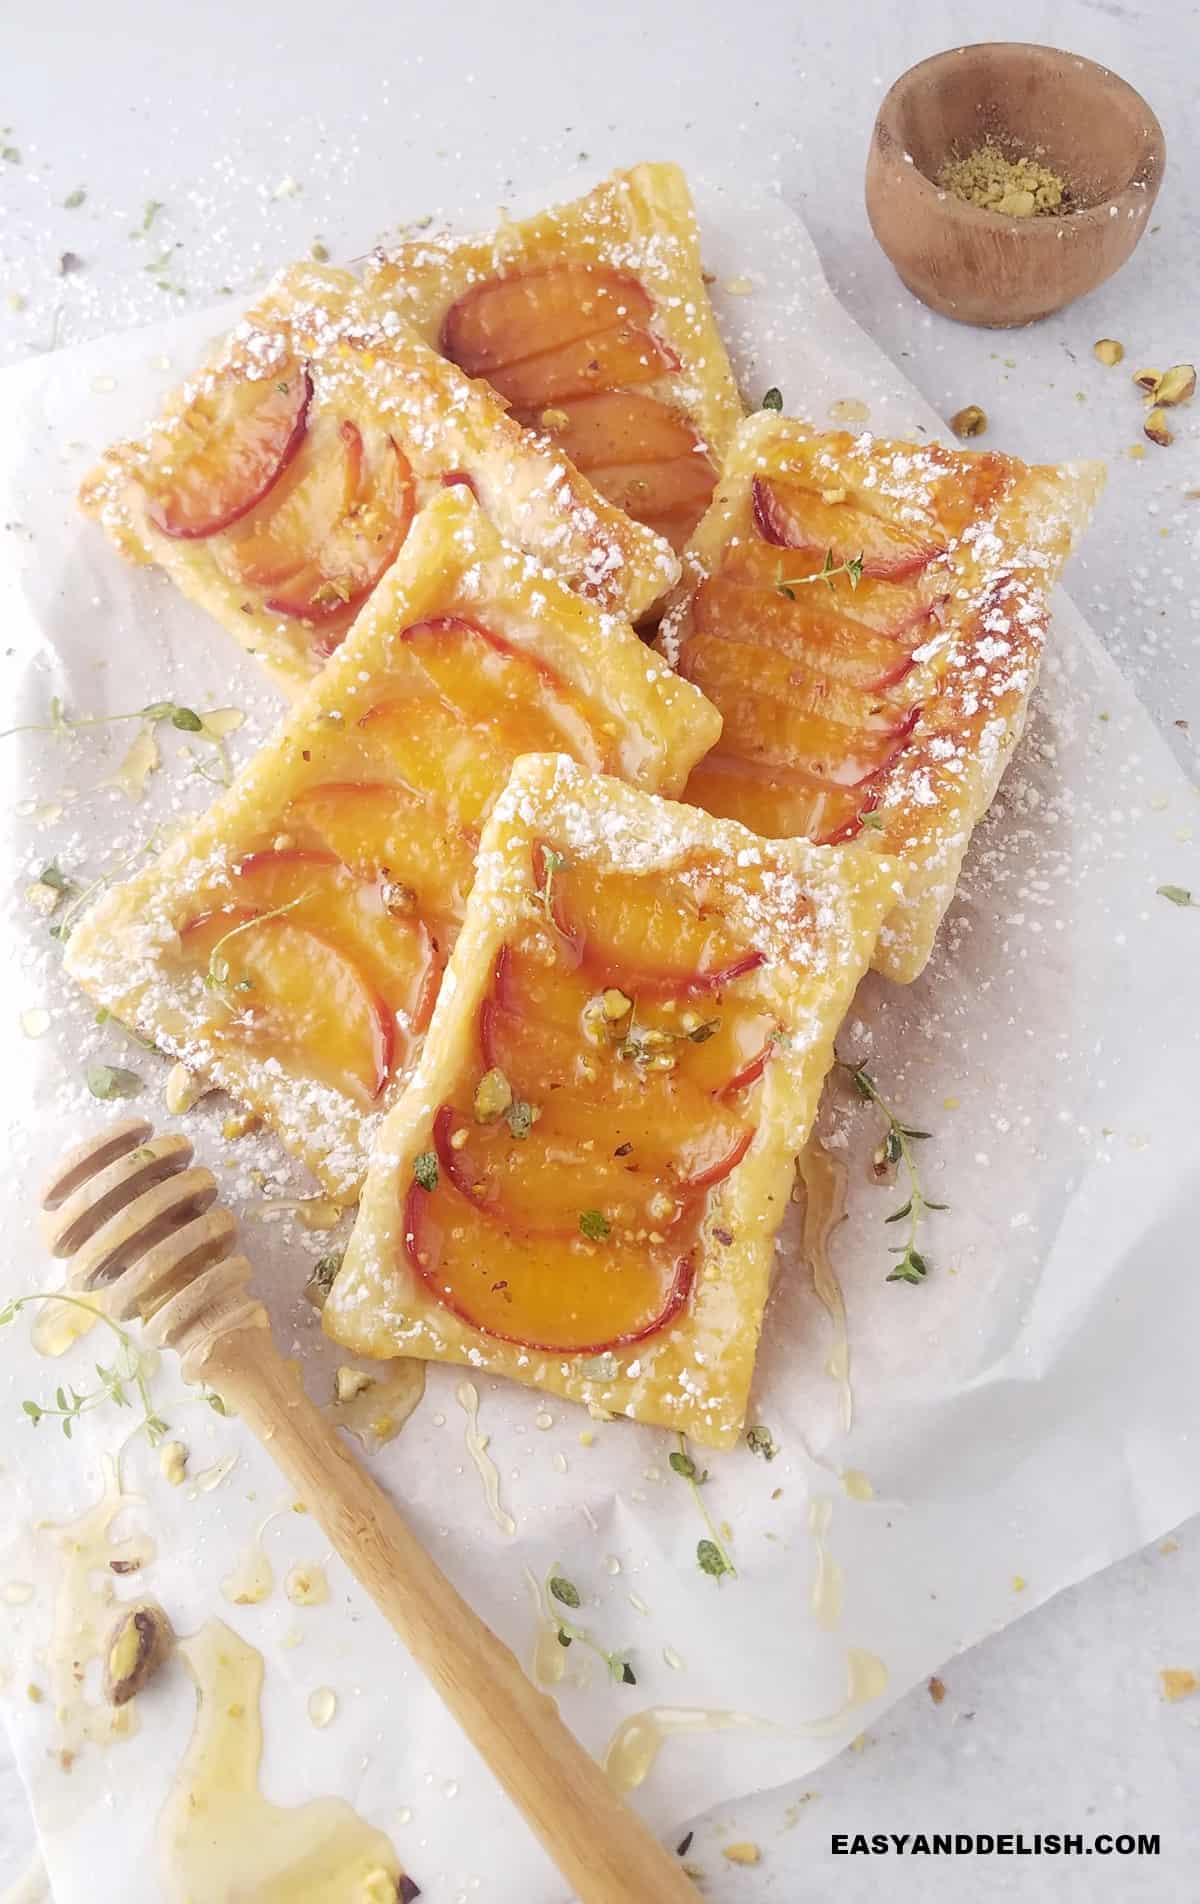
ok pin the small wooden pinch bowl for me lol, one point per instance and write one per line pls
(983, 267)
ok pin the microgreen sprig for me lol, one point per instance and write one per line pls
(217, 974)
(827, 573)
(895, 1149)
(562, 1592)
(712, 1555)
(552, 863)
(126, 1373)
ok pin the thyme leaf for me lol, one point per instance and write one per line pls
(896, 1149)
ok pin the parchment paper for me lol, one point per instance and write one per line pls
(1024, 1418)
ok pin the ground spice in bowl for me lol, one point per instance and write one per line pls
(996, 182)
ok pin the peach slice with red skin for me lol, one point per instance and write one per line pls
(794, 517)
(724, 668)
(382, 831)
(769, 731)
(638, 452)
(486, 678)
(227, 448)
(538, 1184)
(900, 610)
(558, 1295)
(339, 574)
(779, 804)
(301, 510)
(652, 942)
(781, 634)
(291, 990)
(458, 768)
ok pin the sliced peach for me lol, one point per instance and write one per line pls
(458, 768)
(766, 730)
(300, 511)
(793, 517)
(565, 1295)
(393, 950)
(799, 633)
(361, 545)
(232, 442)
(778, 804)
(539, 1183)
(487, 679)
(504, 320)
(638, 452)
(289, 993)
(534, 1055)
(381, 831)
(648, 935)
(901, 610)
(723, 668)
(607, 360)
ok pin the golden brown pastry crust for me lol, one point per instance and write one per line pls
(453, 564)
(814, 913)
(640, 222)
(976, 671)
(367, 365)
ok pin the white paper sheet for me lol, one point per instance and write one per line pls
(1024, 1417)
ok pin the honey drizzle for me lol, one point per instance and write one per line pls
(467, 1396)
(220, 1840)
(84, 1613)
(377, 1415)
(824, 1178)
(825, 1596)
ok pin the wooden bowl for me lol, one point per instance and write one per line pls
(984, 267)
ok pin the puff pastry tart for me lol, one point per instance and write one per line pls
(280, 482)
(869, 617)
(581, 1187)
(289, 947)
(592, 320)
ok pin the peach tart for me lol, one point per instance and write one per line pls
(869, 618)
(290, 946)
(581, 1186)
(280, 482)
(593, 323)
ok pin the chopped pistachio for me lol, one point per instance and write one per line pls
(493, 1095)
(1108, 352)
(183, 1089)
(1147, 380)
(1156, 427)
(318, 1213)
(172, 1462)
(614, 1004)
(1176, 385)
(349, 1382)
(744, 1853)
(241, 1124)
(970, 421)
(136, 1648)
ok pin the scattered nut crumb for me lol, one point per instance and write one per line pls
(937, 1690)
(349, 1382)
(1155, 427)
(172, 1462)
(1169, 1546)
(136, 1648)
(183, 1089)
(1177, 1682)
(1176, 385)
(1108, 352)
(849, 410)
(241, 1124)
(969, 421)
(1147, 380)
(745, 1853)
(1019, 1583)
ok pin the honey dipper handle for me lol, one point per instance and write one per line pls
(601, 1847)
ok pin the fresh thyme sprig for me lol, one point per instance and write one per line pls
(712, 1555)
(128, 1371)
(895, 1149)
(217, 974)
(827, 573)
(62, 723)
(562, 1592)
(552, 863)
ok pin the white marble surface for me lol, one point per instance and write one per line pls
(262, 128)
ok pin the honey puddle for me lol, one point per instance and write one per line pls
(824, 1178)
(377, 1415)
(826, 1594)
(477, 1448)
(84, 1612)
(252, 1579)
(633, 1750)
(857, 1485)
(221, 1841)
(58, 1326)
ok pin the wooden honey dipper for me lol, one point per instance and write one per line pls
(140, 1223)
